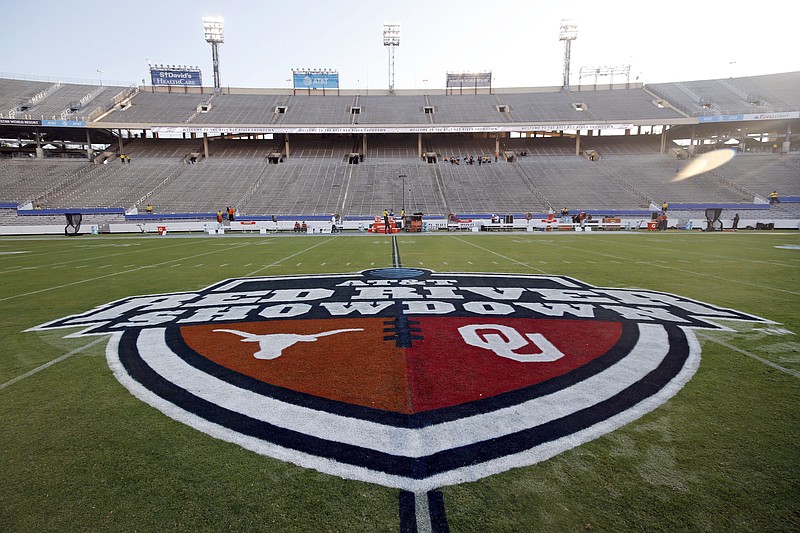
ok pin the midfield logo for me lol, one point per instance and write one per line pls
(404, 377)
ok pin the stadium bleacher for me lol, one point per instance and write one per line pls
(549, 169)
(776, 92)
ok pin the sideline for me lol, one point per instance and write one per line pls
(51, 363)
(758, 358)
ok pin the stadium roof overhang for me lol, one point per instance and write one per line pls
(739, 127)
(56, 134)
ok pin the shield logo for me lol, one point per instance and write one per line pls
(405, 377)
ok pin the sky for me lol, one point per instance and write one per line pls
(517, 40)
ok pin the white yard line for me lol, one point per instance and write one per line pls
(526, 265)
(253, 273)
(96, 278)
(136, 251)
(715, 277)
(758, 358)
(51, 363)
(103, 338)
(714, 257)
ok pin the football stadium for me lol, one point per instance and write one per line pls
(474, 308)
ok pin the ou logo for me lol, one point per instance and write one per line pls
(505, 341)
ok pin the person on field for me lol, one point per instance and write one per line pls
(385, 221)
(662, 221)
(735, 221)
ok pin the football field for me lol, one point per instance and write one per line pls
(86, 448)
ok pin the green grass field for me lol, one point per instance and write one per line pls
(80, 453)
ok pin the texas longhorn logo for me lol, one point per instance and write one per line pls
(272, 345)
(404, 377)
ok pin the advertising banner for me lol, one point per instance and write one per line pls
(20, 122)
(315, 80)
(184, 77)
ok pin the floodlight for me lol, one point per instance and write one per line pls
(212, 29)
(569, 32)
(391, 34)
(391, 39)
(606, 70)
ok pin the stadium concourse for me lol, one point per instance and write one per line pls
(465, 159)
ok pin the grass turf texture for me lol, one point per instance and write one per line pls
(80, 453)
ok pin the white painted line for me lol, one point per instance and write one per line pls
(20, 269)
(422, 512)
(51, 363)
(526, 265)
(89, 280)
(278, 262)
(715, 277)
(760, 359)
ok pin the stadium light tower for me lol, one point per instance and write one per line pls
(569, 32)
(391, 39)
(212, 29)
